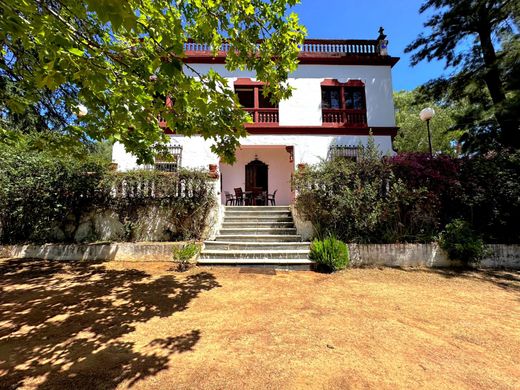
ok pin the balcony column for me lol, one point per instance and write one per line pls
(257, 105)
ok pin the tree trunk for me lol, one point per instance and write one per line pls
(506, 119)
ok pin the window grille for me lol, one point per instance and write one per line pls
(171, 161)
(349, 152)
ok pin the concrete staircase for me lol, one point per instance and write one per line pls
(257, 235)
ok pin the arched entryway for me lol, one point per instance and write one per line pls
(257, 175)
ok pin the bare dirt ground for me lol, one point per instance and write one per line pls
(77, 326)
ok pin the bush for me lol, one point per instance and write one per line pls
(330, 254)
(183, 255)
(49, 197)
(461, 242)
(364, 202)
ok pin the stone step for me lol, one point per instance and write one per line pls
(255, 213)
(251, 245)
(255, 254)
(257, 231)
(260, 238)
(258, 208)
(248, 224)
(258, 219)
(254, 262)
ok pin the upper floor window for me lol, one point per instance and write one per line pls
(343, 103)
(251, 97)
(170, 161)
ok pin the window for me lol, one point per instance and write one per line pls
(347, 152)
(169, 162)
(343, 103)
(251, 97)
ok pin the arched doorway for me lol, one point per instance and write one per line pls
(257, 175)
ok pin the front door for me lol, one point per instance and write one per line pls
(256, 175)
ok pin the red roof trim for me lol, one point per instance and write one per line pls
(304, 59)
(247, 82)
(336, 83)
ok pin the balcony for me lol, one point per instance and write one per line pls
(344, 117)
(264, 116)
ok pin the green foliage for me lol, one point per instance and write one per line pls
(461, 242)
(186, 252)
(409, 197)
(413, 135)
(478, 40)
(330, 254)
(44, 196)
(121, 59)
(365, 202)
(38, 189)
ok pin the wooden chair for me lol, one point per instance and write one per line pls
(272, 198)
(258, 196)
(239, 196)
(230, 199)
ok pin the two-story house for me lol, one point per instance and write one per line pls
(342, 92)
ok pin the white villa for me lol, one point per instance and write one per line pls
(342, 92)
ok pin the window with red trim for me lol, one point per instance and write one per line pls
(343, 103)
(251, 97)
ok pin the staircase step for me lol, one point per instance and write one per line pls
(248, 224)
(258, 219)
(257, 231)
(255, 254)
(248, 245)
(247, 261)
(260, 237)
(257, 213)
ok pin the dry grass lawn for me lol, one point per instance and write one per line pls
(141, 326)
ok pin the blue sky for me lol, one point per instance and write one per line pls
(354, 19)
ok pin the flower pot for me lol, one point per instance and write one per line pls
(213, 168)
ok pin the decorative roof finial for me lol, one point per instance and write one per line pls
(382, 34)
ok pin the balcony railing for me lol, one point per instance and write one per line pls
(318, 46)
(344, 117)
(264, 115)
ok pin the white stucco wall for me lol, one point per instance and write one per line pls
(303, 108)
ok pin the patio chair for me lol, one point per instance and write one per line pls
(258, 197)
(230, 199)
(271, 198)
(239, 196)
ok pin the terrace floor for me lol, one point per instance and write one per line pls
(142, 326)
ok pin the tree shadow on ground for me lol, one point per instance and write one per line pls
(62, 323)
(506, 279)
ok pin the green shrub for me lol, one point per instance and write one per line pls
(461, 242)
(330, 254)
(182, 255)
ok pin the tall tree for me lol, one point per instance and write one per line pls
(475, 37)
(121, 59)
(413, 137)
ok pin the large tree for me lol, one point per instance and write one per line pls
(413, 136)
(121, 59)
(479, 39)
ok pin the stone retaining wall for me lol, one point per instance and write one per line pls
(126, 251)
(391, 255)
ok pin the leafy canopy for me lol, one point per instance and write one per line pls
(413, 136)
(121, 59)
(480, 40)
